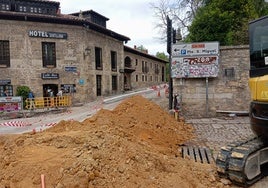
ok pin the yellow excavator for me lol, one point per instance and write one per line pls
(244, 162)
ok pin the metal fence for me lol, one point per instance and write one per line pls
(48, 102)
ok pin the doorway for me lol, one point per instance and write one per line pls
(50, 88)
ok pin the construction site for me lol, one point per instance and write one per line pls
(135, 143)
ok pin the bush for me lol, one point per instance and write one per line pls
(23, 91)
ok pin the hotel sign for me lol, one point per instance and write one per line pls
(47, 34)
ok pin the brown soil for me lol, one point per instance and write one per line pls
(134, 145)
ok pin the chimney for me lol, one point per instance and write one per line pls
(135, 47)
(59, 11)
(80, 14)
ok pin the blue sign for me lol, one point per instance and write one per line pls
(81, 81)
(183, 52)
(70, 69)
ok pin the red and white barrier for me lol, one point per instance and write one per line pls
(15, 124)
(50, 124)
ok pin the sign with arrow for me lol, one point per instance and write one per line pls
(195, 49)
(195, 60)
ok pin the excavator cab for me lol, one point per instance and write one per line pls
(258, 82)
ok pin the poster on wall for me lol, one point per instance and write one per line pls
(10, 103)
(195, 60)
(68, 88)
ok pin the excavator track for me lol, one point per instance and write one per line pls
(241, 161)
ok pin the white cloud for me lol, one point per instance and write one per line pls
(132, 18)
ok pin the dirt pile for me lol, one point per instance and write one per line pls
(135, 145)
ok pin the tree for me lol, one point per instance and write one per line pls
(181, 12)
(142, 49)
(225, 21)
(162, 55)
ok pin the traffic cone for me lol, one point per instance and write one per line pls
(158, 93)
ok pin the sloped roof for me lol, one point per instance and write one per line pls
(89, 12)
(61, 19)
(140, 53)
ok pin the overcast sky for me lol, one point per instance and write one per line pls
(132, 18)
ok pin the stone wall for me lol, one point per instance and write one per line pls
(228, 92)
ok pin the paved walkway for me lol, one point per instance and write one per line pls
(217, 132)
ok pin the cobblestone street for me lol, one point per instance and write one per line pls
(214, 133)
(217, 132)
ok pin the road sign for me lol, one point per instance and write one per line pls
(195, 49)
(195, 60)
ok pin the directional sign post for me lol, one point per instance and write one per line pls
(195, 60)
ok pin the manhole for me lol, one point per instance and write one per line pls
(202, 155)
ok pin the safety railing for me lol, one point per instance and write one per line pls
(48, 102)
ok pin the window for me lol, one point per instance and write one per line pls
(22, 8)
(8, 88)
(113, 61)
(163, 74)
(229, 72)
(49, 54)
(156, 69)
(156, 79)
(98, 58)
(114, 83)
(5, 7)
(145, 68)
(136, 62)
(137, 78)
(4, 53)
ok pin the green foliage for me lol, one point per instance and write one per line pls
(141, 48)
(162, 55)
(23, 91)
(225, 21)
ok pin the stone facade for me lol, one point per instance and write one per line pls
(227, 92)
(149, 70)
(75, 58)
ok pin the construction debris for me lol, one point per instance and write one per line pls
(134, 145)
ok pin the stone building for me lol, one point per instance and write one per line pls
(46, 50)
(142, 69)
